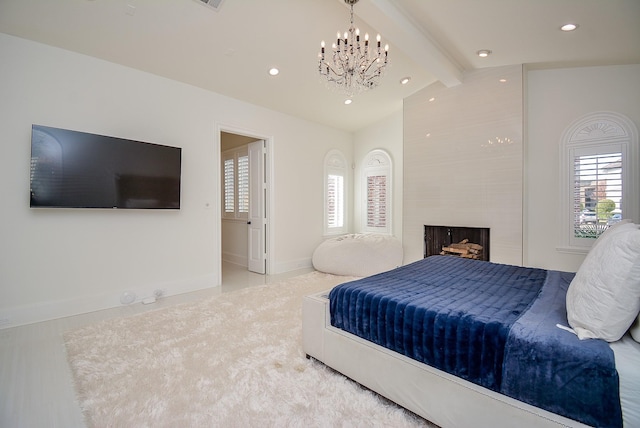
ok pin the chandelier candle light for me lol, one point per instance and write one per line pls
(352, 66)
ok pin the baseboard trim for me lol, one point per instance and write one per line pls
(46, 311)
(235, 259)
(293, 265)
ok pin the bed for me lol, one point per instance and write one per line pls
(468, 343)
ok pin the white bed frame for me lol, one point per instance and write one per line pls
(439, 397)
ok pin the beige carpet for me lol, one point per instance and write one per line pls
(234, 360)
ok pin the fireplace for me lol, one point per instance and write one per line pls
(437, 237)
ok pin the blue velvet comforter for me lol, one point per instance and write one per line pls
(491, 324)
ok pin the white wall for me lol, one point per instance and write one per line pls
(57, 262)
(463, 160)
(555, 98)
(385, 135)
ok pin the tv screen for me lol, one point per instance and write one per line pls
(71, 169)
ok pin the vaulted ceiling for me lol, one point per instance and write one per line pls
(229, 49)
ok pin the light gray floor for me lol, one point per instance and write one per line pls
(36, 387)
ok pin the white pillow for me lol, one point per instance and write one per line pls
(635, 330)
(610, 231)
(604, 297)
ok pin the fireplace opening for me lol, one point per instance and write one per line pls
(471, 242)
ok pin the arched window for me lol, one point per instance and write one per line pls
(377, 185)
(335, 191)
(600, 184)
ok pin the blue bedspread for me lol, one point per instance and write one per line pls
(491, 324)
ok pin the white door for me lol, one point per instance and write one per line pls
(257, 207)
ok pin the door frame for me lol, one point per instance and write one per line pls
(269, 200)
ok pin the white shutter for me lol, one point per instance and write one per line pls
(377, 201)
(335, 201)
(229, 186)
(597, 190)
(335, 193)
(235, 170)
(376, 182)
(243, 184)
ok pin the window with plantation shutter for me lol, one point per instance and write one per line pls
(377, 201)
(597, 191)
(229, 186)
(243, 184)
(335, 201)
(335, 172)
(235, 176)
(599, 186)
(377, 182)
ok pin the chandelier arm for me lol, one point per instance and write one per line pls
(369, 67)
(334, 71)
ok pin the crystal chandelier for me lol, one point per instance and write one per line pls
(353, 66)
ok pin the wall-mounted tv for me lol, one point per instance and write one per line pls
(71, 169)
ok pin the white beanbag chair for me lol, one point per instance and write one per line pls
(358, 254)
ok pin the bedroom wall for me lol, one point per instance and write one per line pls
(555, 98)
(386, 135)
(463, 160)
(58, 262)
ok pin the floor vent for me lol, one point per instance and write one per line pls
(213, 4)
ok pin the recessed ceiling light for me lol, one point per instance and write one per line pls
(432, 99)
(483, 53)
(569, 27)
(502, 80)
(405, 80)
(348, 101)
(274, 71)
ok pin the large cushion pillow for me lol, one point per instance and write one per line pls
(611, 230)
(358, 254)
(603, 299)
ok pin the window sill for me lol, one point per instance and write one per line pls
(573, 250)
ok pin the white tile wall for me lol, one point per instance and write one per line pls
(463, 160)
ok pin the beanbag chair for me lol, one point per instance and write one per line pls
(358, 254)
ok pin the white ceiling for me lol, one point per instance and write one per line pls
(230, 50)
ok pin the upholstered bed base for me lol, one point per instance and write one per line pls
(441, 398)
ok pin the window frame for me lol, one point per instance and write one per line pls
(335, 164)
(597, 133)
(235, 155)
(377, 163)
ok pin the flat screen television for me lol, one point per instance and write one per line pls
(71, 169)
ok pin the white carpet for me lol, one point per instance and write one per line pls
(234, 360)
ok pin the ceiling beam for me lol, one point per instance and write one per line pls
(404, 35)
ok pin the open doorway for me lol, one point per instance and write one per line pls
(245, 178)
